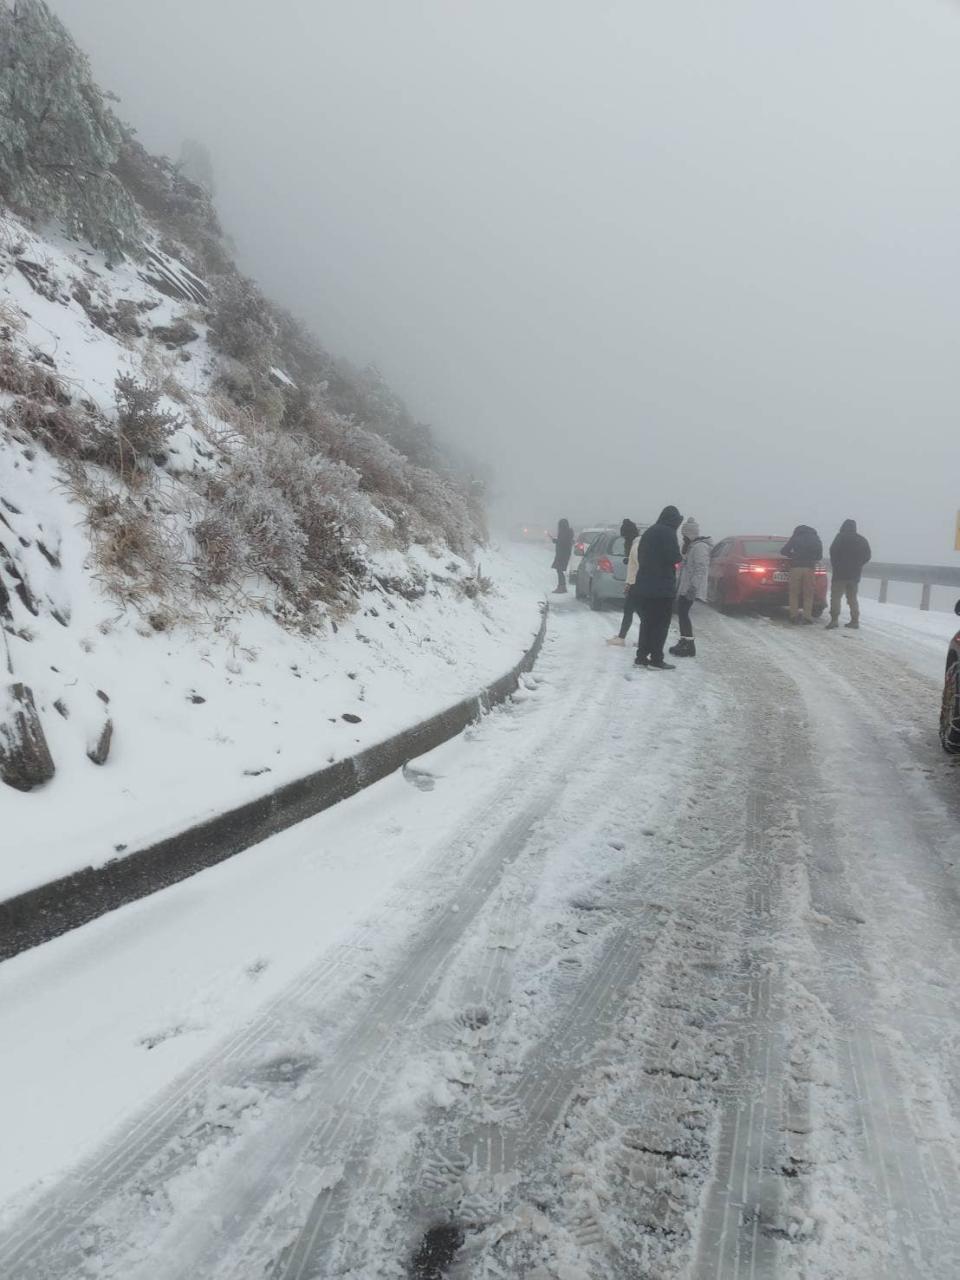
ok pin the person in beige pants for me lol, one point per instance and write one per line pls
(803, 584)
(804, 551)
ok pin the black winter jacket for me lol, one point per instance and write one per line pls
(804, 549)
(564, 545)
(849, 552)
(657, 558)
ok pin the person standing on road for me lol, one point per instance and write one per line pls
(629, 533)
(693, 584)
(658, 554)
(849, 552)
(564, 544)
(804, 550)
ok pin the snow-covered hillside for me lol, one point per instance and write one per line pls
(226, 556)
(214, 707)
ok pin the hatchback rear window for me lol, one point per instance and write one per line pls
(763, 546)
(618, 547)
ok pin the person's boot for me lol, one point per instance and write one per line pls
(660, 665)
(641, 662)
(617, 640)
(684, 648)
(832, 625)
(853, 626)
(805, 621)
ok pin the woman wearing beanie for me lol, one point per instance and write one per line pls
(693, 584)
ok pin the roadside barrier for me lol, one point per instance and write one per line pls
(49, 910)
(928, 575)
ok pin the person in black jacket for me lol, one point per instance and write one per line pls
(658, 554)
(804, 550)
(849, 552)
(564, 545)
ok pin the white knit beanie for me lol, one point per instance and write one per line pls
(690, 528)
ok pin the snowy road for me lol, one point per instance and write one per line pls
(670, 990)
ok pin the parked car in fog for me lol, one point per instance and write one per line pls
(581, 544)
(950, 706)
(748, 571)
(602, 572)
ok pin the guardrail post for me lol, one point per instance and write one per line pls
(925, 597)
(882, 598)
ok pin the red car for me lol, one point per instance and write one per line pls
(748, 571)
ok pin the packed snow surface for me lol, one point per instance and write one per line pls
(649, 974)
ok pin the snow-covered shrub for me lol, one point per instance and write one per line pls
(248, 531)
(143, 429)
(241, 322)
(285, 511)
(22, 377)
(58, 138)
(139, 557)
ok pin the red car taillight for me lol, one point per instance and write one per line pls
(579, 549)
(750, 567)
(821, 573)
(604, 565)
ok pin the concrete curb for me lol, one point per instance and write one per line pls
(43, 913)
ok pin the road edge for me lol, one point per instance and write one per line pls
(38, 915)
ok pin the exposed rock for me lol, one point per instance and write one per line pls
(51, 557)
(25, 760)
(175, 335)
(99, 748)
(350, 717)
(62, 708)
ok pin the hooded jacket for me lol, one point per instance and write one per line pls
(696, 562)
(849, 552)
(803, 549)
(658, 554)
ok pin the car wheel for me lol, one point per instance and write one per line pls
(950, 711)
(596, 604)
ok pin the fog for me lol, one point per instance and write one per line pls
(629, 252)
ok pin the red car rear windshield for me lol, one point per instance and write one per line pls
(762, 546)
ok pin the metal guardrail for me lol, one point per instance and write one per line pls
(928, 575)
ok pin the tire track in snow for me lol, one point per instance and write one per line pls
(56, 1238)
(860, 891)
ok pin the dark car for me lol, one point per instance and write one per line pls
(748, 571)
(950, 707)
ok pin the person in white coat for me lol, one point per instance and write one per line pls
(693, 584)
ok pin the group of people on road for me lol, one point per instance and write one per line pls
(653, 587)
(849, 554)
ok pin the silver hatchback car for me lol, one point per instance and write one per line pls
(602, 573)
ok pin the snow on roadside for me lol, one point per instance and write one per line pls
(920, 636)
(134, 998)
(211, 711)
(206, 721)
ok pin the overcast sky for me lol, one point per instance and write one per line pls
(631, 251)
